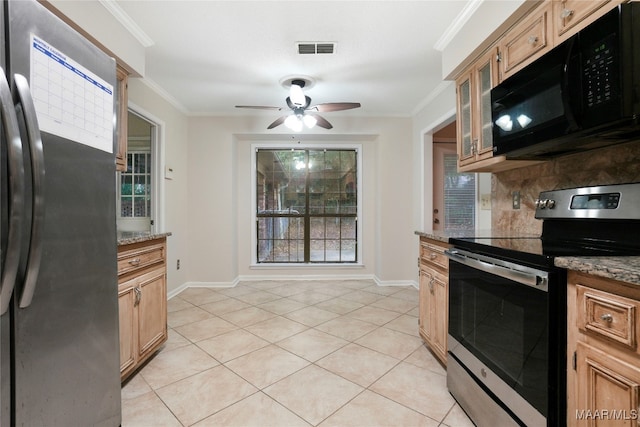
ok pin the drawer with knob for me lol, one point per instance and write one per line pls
(526, 41)
(606, 315)
(138, 257)
(433, 255)
(569, 13)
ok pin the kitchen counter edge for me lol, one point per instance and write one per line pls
(435, 235)
(444, 236)
(622, 268)
(129, 237)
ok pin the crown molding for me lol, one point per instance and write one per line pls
(457, 24)
(114, 8)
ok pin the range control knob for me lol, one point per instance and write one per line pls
(542, 203)
(551, 203)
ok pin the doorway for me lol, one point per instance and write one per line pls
(137, 190)
(454, 194)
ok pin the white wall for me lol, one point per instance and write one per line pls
(440, 110)
(219, 205)
(174, 139)
(93, 18)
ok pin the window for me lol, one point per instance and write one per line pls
(135, 186)
(459, 196)
(306, 206)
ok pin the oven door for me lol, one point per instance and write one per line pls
(499, 333)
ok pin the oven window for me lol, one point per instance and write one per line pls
(505, 325)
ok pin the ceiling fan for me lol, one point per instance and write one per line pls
(302, 113)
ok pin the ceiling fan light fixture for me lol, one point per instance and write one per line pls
(294, 123)
(309, 121)
(299, 103)
(297, 95)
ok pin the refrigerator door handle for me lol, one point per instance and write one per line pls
(23, 95)
(15, 166)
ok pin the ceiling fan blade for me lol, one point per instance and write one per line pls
(277, 122)
(321, 121)
(335, 106)
(259, 107)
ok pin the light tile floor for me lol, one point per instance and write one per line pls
(292, 353)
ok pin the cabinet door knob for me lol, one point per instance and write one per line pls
(533, 39)
(135, 261)
(433, 255)
(607, 318)
(566, 13)
(138, 293)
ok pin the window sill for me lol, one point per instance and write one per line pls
(273, 266)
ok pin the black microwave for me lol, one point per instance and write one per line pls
(583, 94)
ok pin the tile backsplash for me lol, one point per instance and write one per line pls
(611, 165)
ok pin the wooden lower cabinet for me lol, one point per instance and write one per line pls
(142, 297)
(433, 311)
(603, 370)
(128, 329)
(608, 389)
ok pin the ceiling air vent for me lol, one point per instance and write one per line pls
(315, 48)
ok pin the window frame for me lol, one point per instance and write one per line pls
(254, 217)
(149, 180)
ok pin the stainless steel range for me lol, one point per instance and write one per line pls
(507, 304)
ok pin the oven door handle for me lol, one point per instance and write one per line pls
(518, 273)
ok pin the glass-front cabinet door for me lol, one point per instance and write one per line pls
(464, 120)
(475, 137)
(486, 77)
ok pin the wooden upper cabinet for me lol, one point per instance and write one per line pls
(474, 123)
(122, 111)
(569, 14)
(486, 77)
(544, 27)
(475, 136)
(465, 118)
(526, 41)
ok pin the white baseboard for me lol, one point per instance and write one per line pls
(301, 277)
(396, 282)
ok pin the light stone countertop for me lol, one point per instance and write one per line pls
(624, 269)
(128, 237)
(444, 236)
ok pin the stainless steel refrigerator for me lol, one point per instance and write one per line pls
(59, 358)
